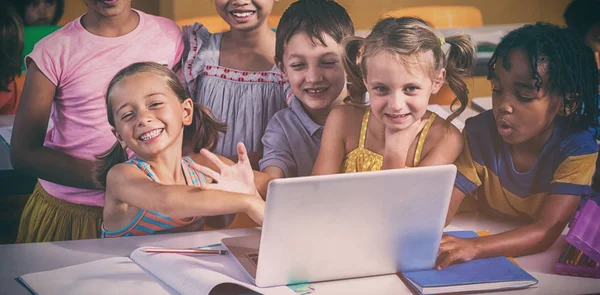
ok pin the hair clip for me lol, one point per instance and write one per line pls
(442, 41)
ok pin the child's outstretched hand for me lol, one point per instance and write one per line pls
(453, 249)
(237, 178)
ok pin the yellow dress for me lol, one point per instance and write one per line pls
(362, 159)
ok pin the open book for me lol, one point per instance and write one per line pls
(145, 273)
(496, 273)
(169, 274)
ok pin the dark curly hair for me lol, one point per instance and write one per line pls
(570, 68)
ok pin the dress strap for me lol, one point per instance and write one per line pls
(363, 128)
(422, 136)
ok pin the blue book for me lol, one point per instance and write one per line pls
(497, 273)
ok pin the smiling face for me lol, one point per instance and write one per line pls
(399, 93)
(315, 71)
(523, 113)
(244, 15)
(148, 116)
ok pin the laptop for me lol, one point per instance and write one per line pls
(320, 228)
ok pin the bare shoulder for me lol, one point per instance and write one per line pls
(121, 173)
(345, 115)
(442, 131)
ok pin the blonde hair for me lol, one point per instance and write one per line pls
(407, 38)
(202, 133)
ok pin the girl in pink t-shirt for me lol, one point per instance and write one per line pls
(68, 72)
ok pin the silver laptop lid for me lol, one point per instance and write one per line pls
(353, 225)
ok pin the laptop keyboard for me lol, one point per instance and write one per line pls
(253, 258)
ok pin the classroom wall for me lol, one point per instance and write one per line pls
(363, 15)
(365, 12)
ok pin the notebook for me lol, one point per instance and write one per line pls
(497, 273)
(169, 274)
(5, 134)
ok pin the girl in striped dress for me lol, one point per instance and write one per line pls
(159, 191)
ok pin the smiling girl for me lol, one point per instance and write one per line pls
(401, 64)
(67, 75)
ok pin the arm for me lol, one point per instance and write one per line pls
(261, 180)
(274, 172)
(397, 144)
(447, 145)
(529, 239)
(333, 144)
(129, 185)
(455, 201)
(28, 152)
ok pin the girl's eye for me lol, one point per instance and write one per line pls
(380, 89)
(523, 98)
(154, 104)
(297, 65)
(412, 89)
(329, 63)
(126, 116)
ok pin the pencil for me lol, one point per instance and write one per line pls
(184, 251)
(565, 252)
(578, 257)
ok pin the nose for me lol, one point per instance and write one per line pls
(144, 117)
(238, 3)
(501, 104)
(397, 102)
(313, 75)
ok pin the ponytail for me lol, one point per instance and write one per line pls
(460, 62)
(204, 130)
(115, 155)
(351, 59)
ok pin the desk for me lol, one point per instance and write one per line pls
(21, 259)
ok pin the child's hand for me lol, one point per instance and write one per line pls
(405, 137)
(453, 249)
(237, 178)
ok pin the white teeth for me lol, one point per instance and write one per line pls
(242, 14)
(151, 134)
(317, 90)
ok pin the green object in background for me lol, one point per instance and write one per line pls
(33, 34)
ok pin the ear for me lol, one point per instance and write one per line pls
(439, 80)
(187, 106)
(281, 69)
(118, 137)
(568, 106)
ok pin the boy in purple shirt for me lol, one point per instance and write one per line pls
(308, 51)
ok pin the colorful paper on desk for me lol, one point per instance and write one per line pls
(497, 273)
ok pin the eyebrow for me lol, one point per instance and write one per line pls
(295, 55)
(528, 86)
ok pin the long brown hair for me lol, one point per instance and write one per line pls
(202, 133)
(406, 37)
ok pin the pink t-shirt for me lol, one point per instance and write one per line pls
(81, 65)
